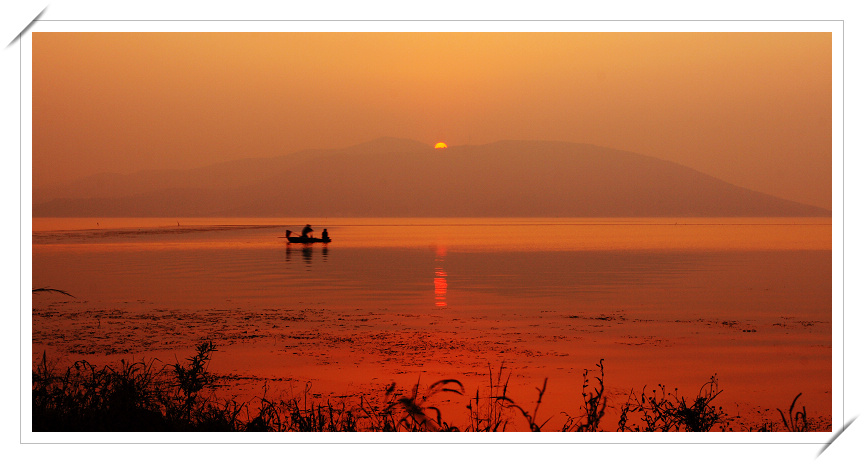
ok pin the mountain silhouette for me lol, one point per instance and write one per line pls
(392, 177)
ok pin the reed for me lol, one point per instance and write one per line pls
(85, 397)
(138, 396)
(309, 417)
(487, 413)
(665, 412)
(134, 396)
(593, 404)
(51, 290)
(797, 419)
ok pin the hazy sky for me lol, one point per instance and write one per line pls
(753, 109)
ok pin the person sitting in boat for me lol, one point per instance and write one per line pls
(306, 231)
(325, 236)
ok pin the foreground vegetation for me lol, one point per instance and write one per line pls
(138, 397)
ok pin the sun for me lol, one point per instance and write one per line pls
(440, 146)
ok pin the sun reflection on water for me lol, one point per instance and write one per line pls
(440, 280)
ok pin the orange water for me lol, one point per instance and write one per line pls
(662, 301)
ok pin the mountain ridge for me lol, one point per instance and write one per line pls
(392, 177)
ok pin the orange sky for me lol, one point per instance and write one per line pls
(753, 109)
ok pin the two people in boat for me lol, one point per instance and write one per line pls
(307, 231)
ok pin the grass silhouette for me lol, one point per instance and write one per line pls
(667, 412)
(797, 419)
(51, 290)
(137, 396)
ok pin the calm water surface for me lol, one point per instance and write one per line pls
(661, 301)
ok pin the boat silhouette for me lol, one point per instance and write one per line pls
(307, 239)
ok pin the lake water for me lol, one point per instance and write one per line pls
(661, 301)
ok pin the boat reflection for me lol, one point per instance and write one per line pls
(307, 250)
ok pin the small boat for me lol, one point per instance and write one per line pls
(301, 239)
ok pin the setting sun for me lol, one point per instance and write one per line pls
(440, 145)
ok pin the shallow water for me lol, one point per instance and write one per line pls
(662, 301)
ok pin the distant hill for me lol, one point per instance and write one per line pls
(403, 178)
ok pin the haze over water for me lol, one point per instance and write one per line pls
(663, 301)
